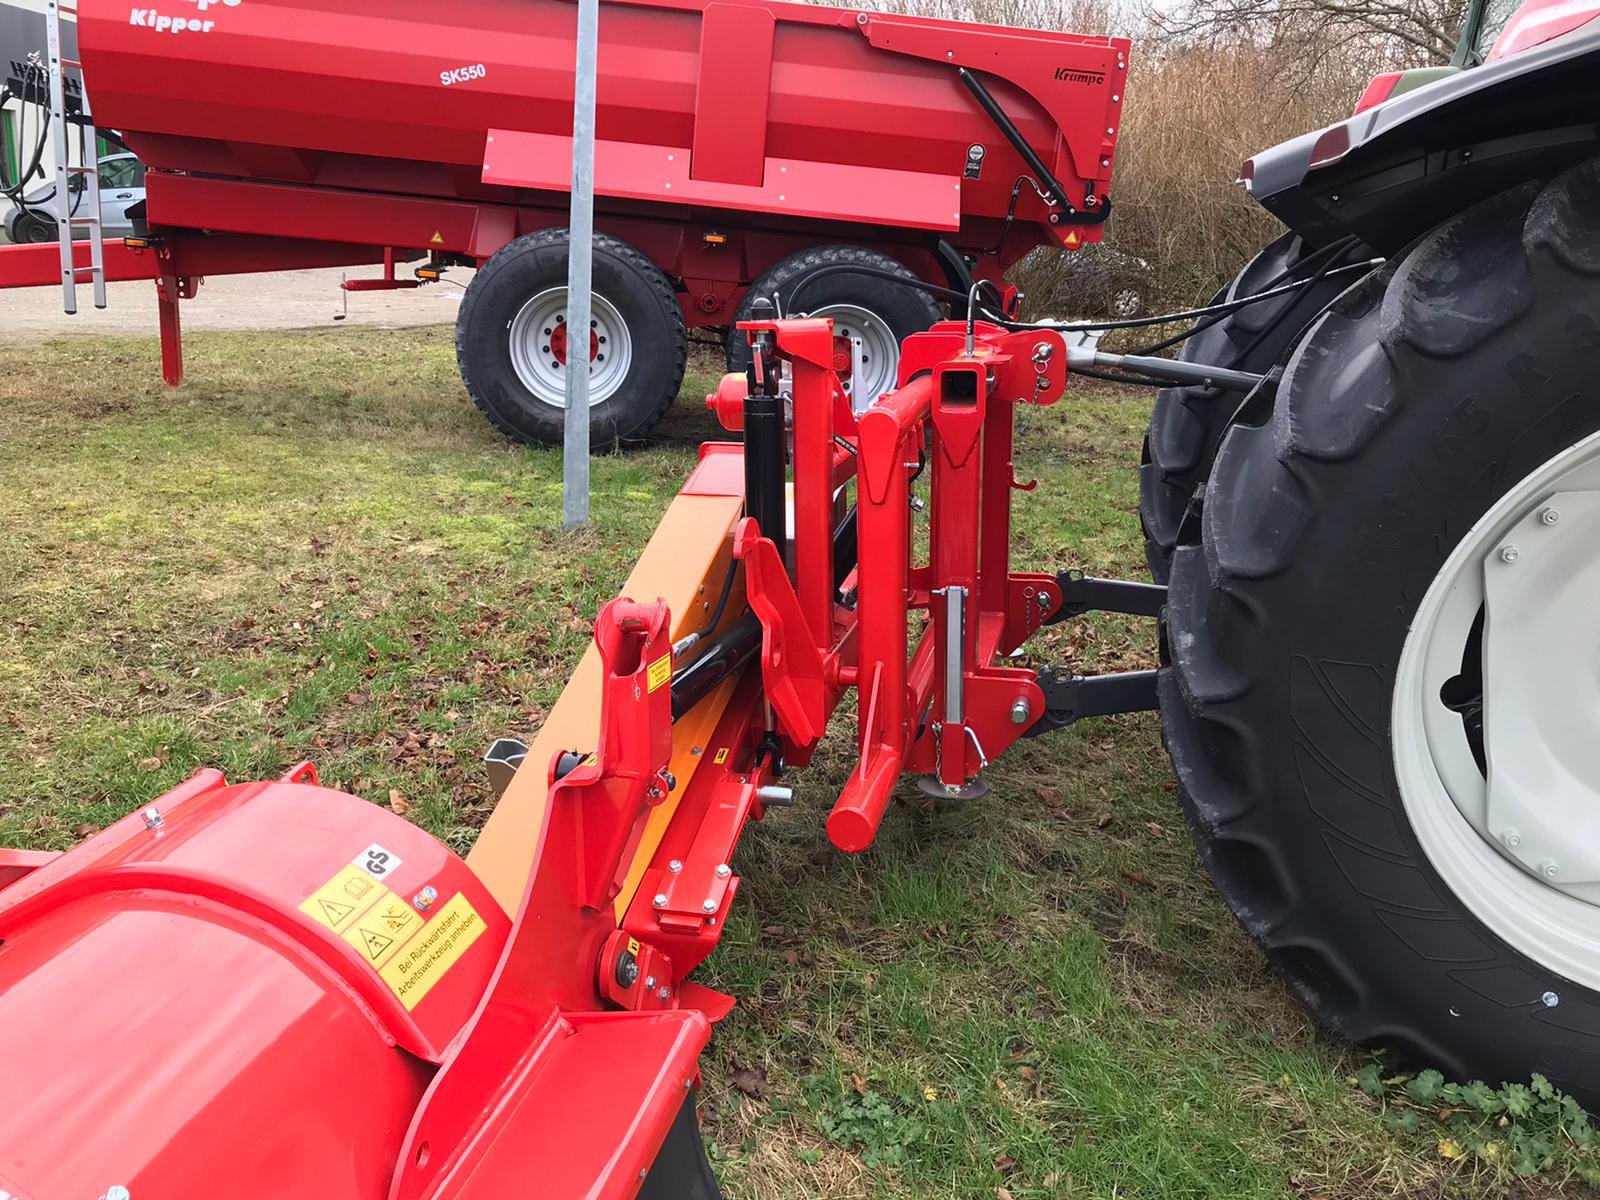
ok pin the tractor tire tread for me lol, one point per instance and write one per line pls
(1232, 674)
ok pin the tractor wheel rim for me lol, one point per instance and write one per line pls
(880, 350)
(539, 349)
(1506, 815)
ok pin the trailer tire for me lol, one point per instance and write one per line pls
(1187, 422)
(513, 367)
(883, 314)
(1414, 422)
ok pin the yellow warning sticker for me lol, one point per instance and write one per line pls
(343, 898)
(633, 947)
(660, 672)
(1072, 239)
(432, 951)
(722, 756)
(382, 929)
(437, 239)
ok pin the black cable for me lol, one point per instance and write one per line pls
(1328, 254)
(722, 600)
(1166, 319)
(999, 318)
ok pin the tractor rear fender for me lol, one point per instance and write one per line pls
(1391, 173)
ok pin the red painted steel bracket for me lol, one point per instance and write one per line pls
(791, 666)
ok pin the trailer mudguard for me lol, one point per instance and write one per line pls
(1389, 174)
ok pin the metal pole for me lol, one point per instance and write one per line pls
(580, 226)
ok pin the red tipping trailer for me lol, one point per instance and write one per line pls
(739, 145)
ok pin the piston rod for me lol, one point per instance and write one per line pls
(1170, 370)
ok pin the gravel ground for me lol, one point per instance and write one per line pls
(286, 300)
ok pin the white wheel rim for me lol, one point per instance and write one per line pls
(538, 352)
(880, 350)
(1494, 839)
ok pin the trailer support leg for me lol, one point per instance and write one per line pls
(169, 294)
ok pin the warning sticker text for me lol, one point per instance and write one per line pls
(432, 951)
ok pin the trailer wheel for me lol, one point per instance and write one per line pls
(882, 314)
(1381, 689)
(1188, 422)
(511, 341)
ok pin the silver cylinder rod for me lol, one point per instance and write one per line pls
(1169, 370)
(955, 642)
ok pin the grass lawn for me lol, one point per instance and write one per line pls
(317, 549)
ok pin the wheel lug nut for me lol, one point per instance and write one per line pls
(1509, 554)
(1549, 869)
(1511, 838)
(1549, 516)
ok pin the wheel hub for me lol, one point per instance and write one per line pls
(1541, 700)
(539, 343)
(879, 360)
(1496, 717)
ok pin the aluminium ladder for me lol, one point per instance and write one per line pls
(69, 219)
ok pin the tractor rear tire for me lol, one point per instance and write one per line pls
(1187, 422)
(511, 345)
(1417, 424)
(878, 311)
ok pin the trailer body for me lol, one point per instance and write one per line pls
(731, 135)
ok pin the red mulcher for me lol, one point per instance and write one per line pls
(740, 145)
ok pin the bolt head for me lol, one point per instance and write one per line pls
(424, 899)
(1549, 868)
(1550, 999)
(1509, 554)
(1549, 516)
(710, 905)
(661, 900)
(1511, 838)
(649, 982)
(1019, 711)
(675, 866)
(153, 818)
(723, 870)
(627, 970)
(663, 992)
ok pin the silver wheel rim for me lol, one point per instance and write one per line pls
(538, 352)
(880, 350)
(1517, 842)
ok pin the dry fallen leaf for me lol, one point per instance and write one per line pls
(85, 830)
(1102, 820)
(752, 1081)
(858, 1084)
(1005, 1164)
(1001, 1193)
(398, 804)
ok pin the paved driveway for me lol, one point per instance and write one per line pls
(287, 300)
